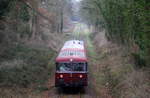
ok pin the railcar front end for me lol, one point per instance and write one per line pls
(71, 74)
(71, 65)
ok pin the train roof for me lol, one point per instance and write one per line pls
(73, 44)
(72, 50)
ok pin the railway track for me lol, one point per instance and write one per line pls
(60, 93)
(54, 92)
(70, 94)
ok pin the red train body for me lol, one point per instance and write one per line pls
(71, 65)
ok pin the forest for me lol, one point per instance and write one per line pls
(117, 37)
(126, 22)
(30, 35)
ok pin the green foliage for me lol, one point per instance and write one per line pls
(3, 7)
(140, 59)
(18, 15)
(127, 21)
(24, 29)
(24, 13)
(23, 66)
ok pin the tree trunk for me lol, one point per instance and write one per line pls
(61, 23)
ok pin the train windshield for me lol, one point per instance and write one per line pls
(71, 67)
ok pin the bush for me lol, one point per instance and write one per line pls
(126, 22)
(139, 60)
(24, 66)
(24, 13)
(3, 7)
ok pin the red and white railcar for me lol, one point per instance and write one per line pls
(71, 65)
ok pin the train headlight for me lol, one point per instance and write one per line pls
(61, 76)
(71, 60)
(81, 76)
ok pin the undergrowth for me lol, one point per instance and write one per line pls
(115, 73)
(23, 66)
